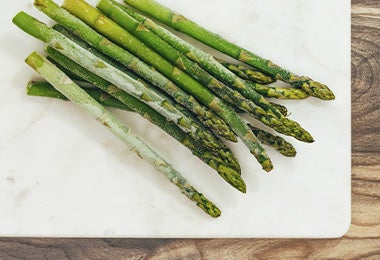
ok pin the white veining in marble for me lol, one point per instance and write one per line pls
(62, 174)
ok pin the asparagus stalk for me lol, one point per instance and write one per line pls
(102, 44)
(247, 73)
(113, 75)
(243, 87)
(44, 89)
(280, 93)
(112, 9)
(181, 23)
(104, 25)
(78, 96)
(259, 77)
(222, 151)
(277, 142)
(282, 125)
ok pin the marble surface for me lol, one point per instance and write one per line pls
(62, 174)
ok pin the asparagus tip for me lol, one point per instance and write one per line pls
(317, 89)
(209, 207)
(232, 177)
(267, 165)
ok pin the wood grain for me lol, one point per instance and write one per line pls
(363, 239)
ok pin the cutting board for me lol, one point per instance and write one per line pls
(62, 174)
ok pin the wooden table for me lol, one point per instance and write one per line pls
(363, 238)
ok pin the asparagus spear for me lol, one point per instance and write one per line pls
(181, 23)
(259, 77)
(106, 26)
(112, 10)
(223, 151)
(247, 73)
(102, 44)
(282, 125)
(44, 89)
(277, 142)
(78, 96)
(245, 88)
(113, 75)
(283, 109)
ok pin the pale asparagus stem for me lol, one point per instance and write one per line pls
(118, 78)
(102, 44)
(181, 23)
(44, 89)
(223, 152)
(129, 103)
(110, 29)
(277, 142)
(78, 96)
(284, 125)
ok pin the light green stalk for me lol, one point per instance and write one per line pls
(208, 62)
(181, 23)
(102, 44)
(78, 96)
(118, 78)
(129, 103)
(223, 152)
(114, 32)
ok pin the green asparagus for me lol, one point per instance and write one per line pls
(277, 142)
(78, 96)
(222, 151)
(258, 77)
(181, 23)
(282, 125)
(102, 44)
(247, 73)
(283, 109)
(130, 103)
(101, 23)
(112, 9)
(97, 66)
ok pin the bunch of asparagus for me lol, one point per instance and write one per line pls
(113, 56)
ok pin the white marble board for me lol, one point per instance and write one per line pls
(62, 174)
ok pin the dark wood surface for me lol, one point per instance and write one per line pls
(361, 241)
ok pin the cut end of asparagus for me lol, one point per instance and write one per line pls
(43, 88)
(207, 206)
